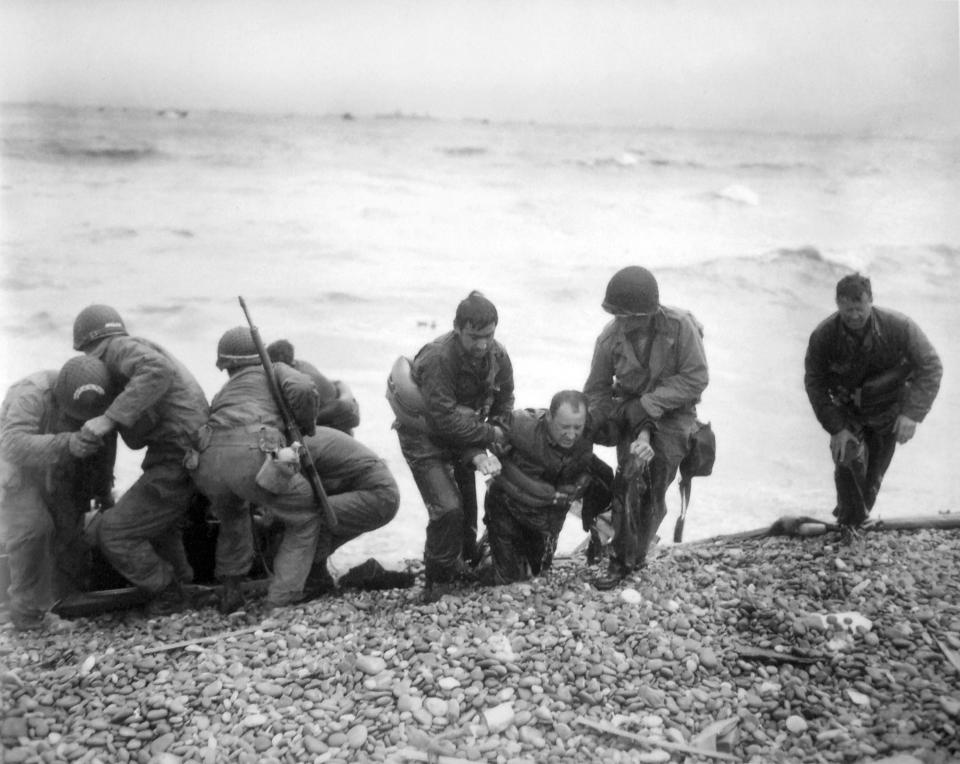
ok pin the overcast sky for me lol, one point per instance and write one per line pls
(775, 64)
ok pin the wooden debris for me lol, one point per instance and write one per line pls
(666, 745)
(201, 640)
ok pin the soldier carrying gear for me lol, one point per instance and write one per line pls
(159, 407)
(51, 472)
(94, 323)
(646, 377)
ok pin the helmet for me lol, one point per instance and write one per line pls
(237, 349)
(95, 322)
(632, 290)
(83, 389)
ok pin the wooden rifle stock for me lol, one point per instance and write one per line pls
(290, 423)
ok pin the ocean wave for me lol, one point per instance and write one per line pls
(108, 154)
(737, 193)
(463, 151)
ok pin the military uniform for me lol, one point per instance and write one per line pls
(45, 493)
(649, 377)
(839, 367)
(464, 397)
(526, 504)
(160, 406)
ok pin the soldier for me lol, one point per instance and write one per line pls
(51, 471)
(646, 377)
(336, 406)
(159, 406)
(547, 465)
(463, 386)
(245, 459)
(871, 377)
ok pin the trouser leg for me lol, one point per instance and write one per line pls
(508, 549)
(880, 448)
(360, 511)
(639, 504)
(234, 555)
(850, 479)
(151, 510)
(29, 535)
(466, 479)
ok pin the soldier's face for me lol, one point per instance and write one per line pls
(566, 426)
(476, 340)
(854, 313)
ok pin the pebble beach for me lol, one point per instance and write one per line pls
(760, 649)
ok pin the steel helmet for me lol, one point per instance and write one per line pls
(96, 322)
(83, 389)
(237, 349)
(632, 290)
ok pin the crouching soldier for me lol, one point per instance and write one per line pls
(50, 473)
(242, 459)
(159, 406)
(546, 465)
(336, 406)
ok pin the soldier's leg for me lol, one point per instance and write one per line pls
(507, 548)
(850, 479)
(433, 473)
(28, 531)
(880, 447)
(151, 509)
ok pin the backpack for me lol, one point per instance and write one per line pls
(697, 463)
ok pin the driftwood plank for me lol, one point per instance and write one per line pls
(666, 745)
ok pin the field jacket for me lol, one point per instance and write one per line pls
(673, 380)
(838, 362)
(535, 468)
(246, 400)
(160, 404)
(463, 395)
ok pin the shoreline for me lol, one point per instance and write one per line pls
(718, 644)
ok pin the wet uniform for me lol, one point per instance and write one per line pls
(45, 493)
(652, 376)
(839, 362)
(464, 397)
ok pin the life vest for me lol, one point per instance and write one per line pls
(405, 398)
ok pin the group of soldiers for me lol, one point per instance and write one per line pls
(871, 376)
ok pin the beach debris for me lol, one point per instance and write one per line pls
(654, 743)
(631, 596)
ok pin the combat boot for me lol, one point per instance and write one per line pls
(231, 595)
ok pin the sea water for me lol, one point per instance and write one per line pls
(356, 238)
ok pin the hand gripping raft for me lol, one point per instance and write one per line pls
(290, 424)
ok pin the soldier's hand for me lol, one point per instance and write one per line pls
(82, 446)
(839, 442)
(99, 426)
(487, 464)
(904, 428)
(641, 448)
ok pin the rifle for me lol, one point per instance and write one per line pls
(290, 424)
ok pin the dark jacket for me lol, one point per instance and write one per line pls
(673, 381)
(535, 465)
(337, 407)
(160, 404)
(464, 395)
(838, 362)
